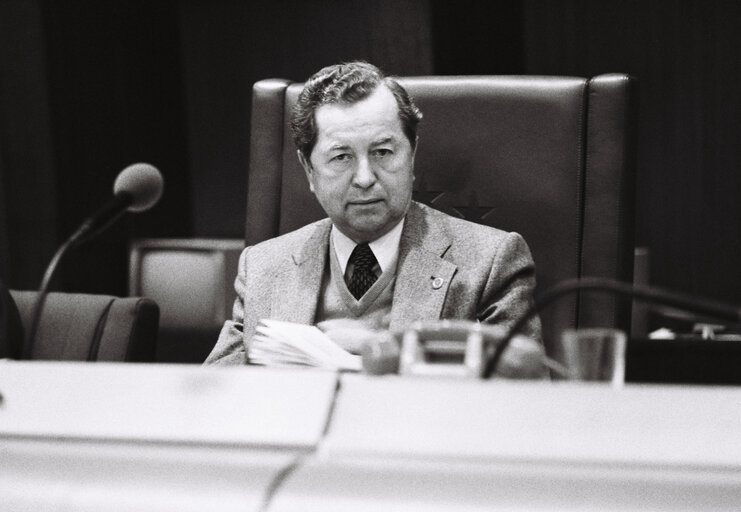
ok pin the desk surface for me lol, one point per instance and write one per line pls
(165, 403)
(663, 426)
(85, 436)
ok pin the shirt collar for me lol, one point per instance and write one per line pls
(385, 248)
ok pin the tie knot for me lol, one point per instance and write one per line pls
(362, 257)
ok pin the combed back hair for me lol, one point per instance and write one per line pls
(347, 83)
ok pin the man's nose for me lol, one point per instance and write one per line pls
(364, 176)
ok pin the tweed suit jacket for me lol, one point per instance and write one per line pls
(487, 275)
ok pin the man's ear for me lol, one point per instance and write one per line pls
(306, 164)
(414, 154)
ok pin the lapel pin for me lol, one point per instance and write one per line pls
(437, 283)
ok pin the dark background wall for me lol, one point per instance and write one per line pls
(87, 88)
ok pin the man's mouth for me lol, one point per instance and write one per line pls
(364, 202)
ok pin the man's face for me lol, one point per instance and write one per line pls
(361, 167)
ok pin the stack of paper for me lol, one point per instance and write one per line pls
(278, 343)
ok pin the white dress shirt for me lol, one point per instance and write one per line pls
(385, 249)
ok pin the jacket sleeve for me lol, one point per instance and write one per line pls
(508, 294)
(230, 348)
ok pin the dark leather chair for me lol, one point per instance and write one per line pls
(552, 158)
(85, 327)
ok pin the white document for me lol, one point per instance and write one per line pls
(278, 343)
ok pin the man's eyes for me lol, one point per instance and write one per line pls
(342, 157)
(376, 153)
(381, 152)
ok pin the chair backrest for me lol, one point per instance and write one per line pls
(85, 327)
(552, 158)
(192, 281)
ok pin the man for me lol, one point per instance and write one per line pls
(380, 258)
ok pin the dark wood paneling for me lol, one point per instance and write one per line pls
(686, 56)
(116, 99)
(27, 197)
(473, 37)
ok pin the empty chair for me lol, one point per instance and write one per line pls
(192, 282)
(86, 327)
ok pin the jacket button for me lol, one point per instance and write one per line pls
(437, 282)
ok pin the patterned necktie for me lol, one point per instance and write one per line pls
(363, 276)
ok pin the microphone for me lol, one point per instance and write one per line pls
(137, 188)
(718, 310)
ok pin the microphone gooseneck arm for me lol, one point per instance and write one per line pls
(137, 188)
(93, 225)
(110, 213)
(41, 296)
(715, 309)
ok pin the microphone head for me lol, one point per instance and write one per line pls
(143, 182)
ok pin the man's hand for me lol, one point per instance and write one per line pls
(524, 358)
(348, 334)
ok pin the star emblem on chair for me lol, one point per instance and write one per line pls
(473, 211)
(427, 197)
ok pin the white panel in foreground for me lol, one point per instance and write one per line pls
(672, 425)
(422, 444)
(171, 403)
(100, 476)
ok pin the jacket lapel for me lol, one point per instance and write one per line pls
(298, 284)
(422, 276)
